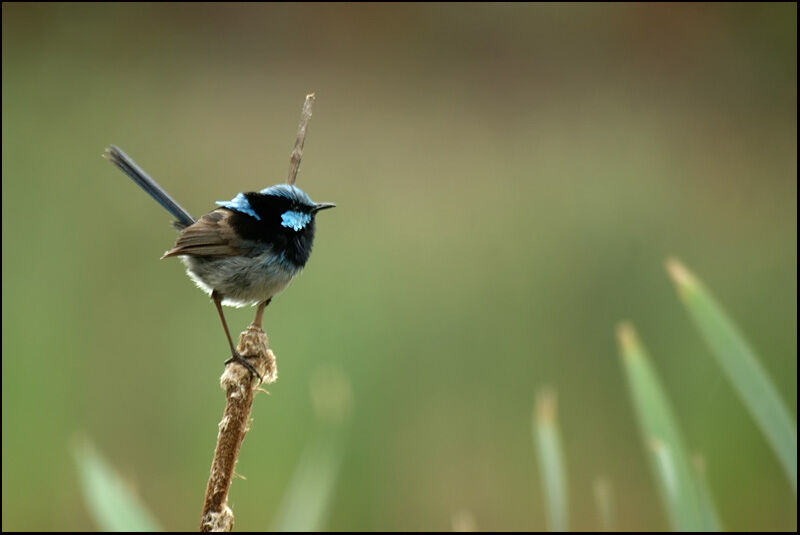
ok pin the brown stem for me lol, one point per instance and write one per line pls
(240, 387)
(297, 151)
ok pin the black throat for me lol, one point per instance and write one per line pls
(293, 245)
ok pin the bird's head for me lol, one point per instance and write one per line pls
(282, 205)
(281, 215)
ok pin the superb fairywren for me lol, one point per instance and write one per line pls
(244, 252)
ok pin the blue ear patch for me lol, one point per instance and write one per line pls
(295, 220)
(239, 204)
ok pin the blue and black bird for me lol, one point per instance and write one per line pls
(246, 251)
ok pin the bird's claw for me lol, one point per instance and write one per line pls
(239, 359)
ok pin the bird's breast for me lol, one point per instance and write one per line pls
(242, 280)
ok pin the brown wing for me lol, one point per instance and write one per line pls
(211, 235)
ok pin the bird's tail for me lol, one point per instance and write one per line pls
(121, 160)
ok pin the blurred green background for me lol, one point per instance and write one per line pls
(510, 180)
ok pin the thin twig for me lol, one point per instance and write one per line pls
(297, 152)
(240, 387)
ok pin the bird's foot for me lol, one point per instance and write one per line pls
(239, 359)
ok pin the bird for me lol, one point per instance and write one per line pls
(244, 252)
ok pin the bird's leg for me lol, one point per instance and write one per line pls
(235, 356)
(218, 302)
(258, 319)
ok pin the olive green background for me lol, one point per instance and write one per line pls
(510, 180)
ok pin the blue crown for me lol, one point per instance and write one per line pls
(291, 192)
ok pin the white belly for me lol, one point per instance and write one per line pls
(240, 280)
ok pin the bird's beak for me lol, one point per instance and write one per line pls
(322, 206)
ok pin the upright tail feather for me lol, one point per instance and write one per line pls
(121, 160)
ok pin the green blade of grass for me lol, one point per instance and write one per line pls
(463, 521)
(660, 432)
(111, 502)
(604, 500)
(664, 462)
(707, 507)
(741, 366)
(551, 460)
(311, 490)
(307, 500)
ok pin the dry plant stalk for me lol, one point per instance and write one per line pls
(297, 151)
(240, 387)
